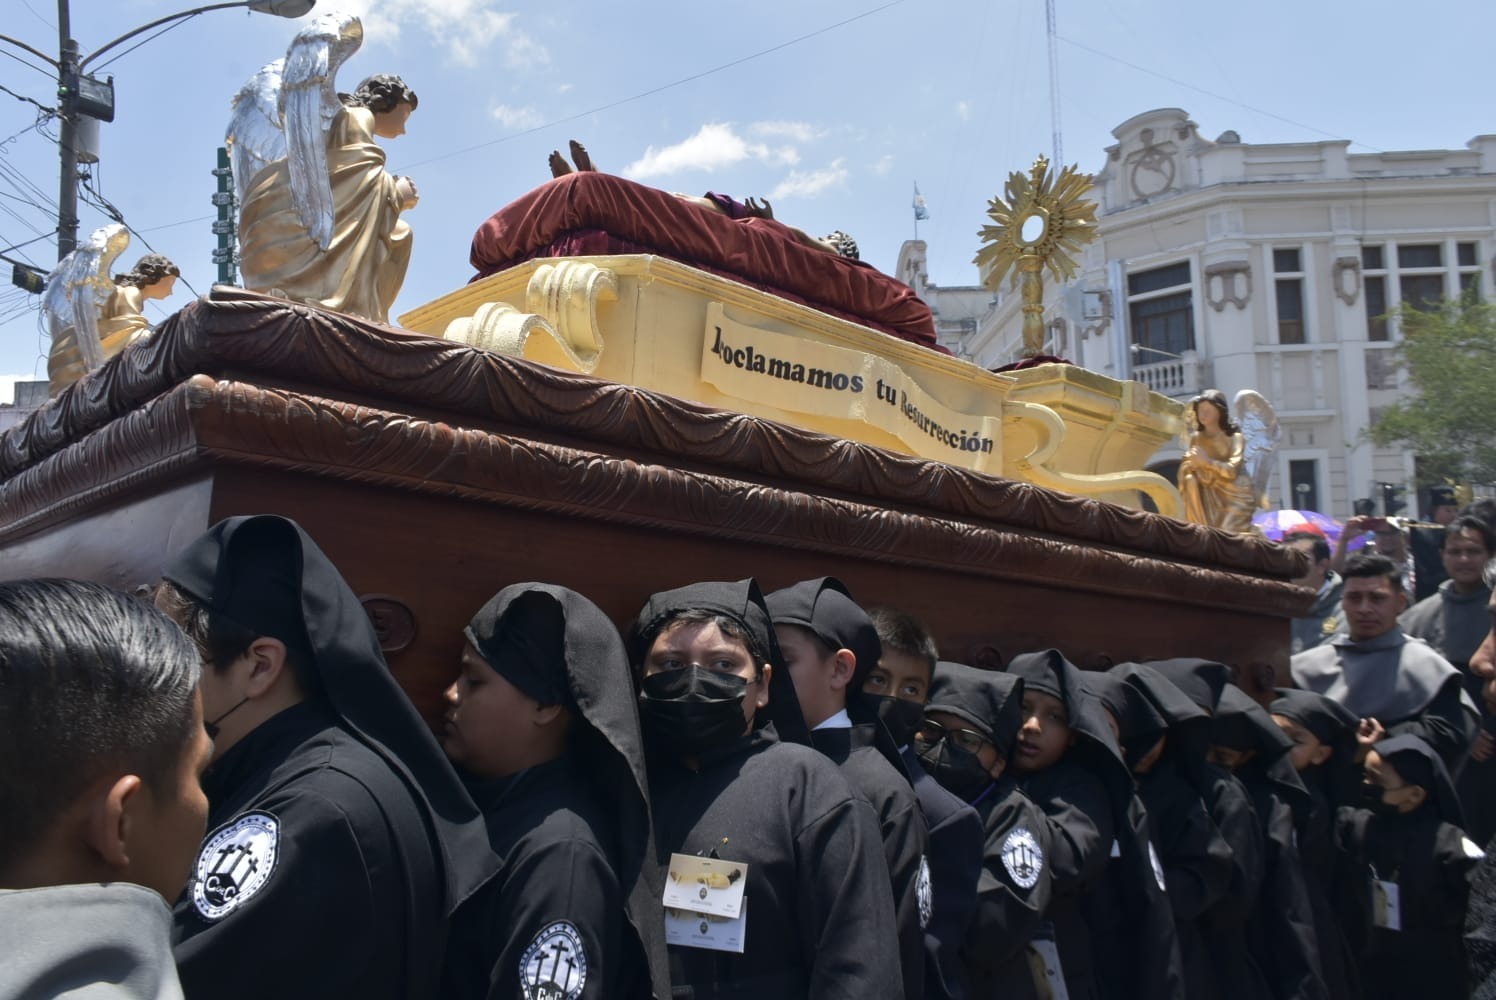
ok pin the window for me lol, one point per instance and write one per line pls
(1161, 312)
(1288, 284)
(1374, 283)
(1467, 258)
(1411, 255)
(1423, 292)
(1303, 483)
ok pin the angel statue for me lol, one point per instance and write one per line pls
(1224, 474)
(319, 217)
(91, 317)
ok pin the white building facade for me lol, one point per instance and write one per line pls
(1235, 266)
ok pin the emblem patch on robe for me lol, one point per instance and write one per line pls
(554, 966)
(1023, 858)
(1158, 868)
(925, 893)
(235, 863)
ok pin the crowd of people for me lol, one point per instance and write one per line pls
(224, 793)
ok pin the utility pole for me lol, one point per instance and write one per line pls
(67, 108)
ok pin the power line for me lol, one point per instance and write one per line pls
(108, 208)
(28, 100)
(121, 55)
(50, 74)
(657, 90)
(16, 246)
(1208, 93)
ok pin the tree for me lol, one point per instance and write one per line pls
(1449, 354)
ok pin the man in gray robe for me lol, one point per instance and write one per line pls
(1395, 684)
(1325, 619)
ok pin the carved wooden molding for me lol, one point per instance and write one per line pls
(274, 343)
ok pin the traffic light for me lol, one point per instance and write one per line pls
(1392, 499)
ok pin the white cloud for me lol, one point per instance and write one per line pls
(518, 118)
(963, 110)
(809, 184)
(714, 146)
(465, 28)
(563, 88)
(794, 131)
(883, 165)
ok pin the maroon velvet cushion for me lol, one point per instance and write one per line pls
(594, 213)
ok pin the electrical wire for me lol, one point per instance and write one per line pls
(1209, 93)
(16, 246)
(28, 100)
(120, 55)
(656, 90)
(50, 74)
(108, 208)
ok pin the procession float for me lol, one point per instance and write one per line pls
(634, 390)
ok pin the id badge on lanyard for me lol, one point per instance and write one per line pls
(1386, 903)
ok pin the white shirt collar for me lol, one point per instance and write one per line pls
(841, 720)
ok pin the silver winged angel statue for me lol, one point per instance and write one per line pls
(1228, 462)
(91, 316)
(319, 218)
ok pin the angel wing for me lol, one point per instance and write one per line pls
(254, 135)
(1259, 426)
(308, 104)
(78, 288)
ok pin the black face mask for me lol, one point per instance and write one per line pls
(901, 717)
(692, 709)
(211, 727)
(959, 771)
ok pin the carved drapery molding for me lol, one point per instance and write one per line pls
(232, 423)
(1228, 281)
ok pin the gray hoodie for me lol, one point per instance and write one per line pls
(89, 942)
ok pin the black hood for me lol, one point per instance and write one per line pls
(1188, 724)
(991, 702)
(1201, 680)
(825, 607)
(558, 641)
(1096, 748)
(1418, 764)
(267, 574)
(1332, 723)
(743, 602)
(1242, 724)
(1139, 723)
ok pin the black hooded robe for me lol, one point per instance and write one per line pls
(820, 919)
(575, 905)
(955, 859)
(1012, 885)
(339, 840)
(1088, 801)
(1223, 926)
(1281, 931)
(1432, 862)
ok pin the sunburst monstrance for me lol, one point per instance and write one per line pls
(1041, 221)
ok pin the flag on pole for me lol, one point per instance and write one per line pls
(921, 210)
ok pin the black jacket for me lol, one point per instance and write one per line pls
(819, 923)
(555, 912)
(345, 893)
(955, 860)
(902, 826)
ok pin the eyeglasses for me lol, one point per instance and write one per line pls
(931, 733)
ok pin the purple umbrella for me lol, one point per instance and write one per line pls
(1277, 523)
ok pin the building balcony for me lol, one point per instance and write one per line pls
(1177, 378)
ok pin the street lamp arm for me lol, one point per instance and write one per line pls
(154, 24)
(22, 45)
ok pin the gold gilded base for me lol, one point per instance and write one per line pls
(662, 325)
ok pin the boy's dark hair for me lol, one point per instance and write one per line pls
(1369, 564)
(92, 681)
(903, 633)
(1321, 544)
(1469, 522)
(221, 640)
(730, 626)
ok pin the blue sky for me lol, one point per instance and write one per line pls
(834, 129)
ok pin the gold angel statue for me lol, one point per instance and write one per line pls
(1224, 474)
(319, 220)
(92, 317)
